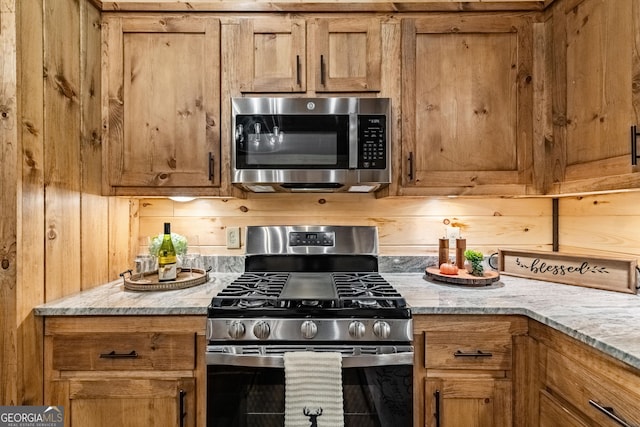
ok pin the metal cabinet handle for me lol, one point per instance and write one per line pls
(634, 145)
(211, 166)
(436, 414)
(609, 412)
(322, 71)
(478, 353)
(183, 414)
(113, 355)
(410, 159)
(298, 70)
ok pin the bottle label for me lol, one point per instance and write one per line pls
(167, 272)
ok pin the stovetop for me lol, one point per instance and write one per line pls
(288, 294)
(309, 284)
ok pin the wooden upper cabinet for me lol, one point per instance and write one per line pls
(272, 55)
(162, 105)
(467, 104)
(309, 55)
(597, 96)
(347, 55)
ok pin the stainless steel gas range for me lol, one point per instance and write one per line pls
(309, 288)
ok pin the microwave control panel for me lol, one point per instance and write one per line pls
(372, 142)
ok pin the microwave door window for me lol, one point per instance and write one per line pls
(292, 142)
(301, 149)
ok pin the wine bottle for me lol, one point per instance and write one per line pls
(167, 269)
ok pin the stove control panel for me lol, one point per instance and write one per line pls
(306, 238)
(316, 329)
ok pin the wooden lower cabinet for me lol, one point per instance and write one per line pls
(106, 401)
(553, 414)
(576, 385)
(126, 371)
(468, 402)
(464, 369)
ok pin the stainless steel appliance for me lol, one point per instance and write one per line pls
(311, 144)
(309, 288)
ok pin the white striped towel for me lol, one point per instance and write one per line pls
(313, 389)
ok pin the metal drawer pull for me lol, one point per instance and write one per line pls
(436, 414)
(608, 411)
(183, 414)
(634, 145)
(113, 355)
(479, 353)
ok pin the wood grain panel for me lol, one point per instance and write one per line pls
(347, 54)
(601, 222)
(324, 6)
(153, 351)
(62, 147)
(467, 104)
(405, 225)
(162, 90)
(30, 285)
(277, 58)
(598, 65)
(8, 204)
(94, 226)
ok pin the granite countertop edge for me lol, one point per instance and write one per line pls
(605, 320)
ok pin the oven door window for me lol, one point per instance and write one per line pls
(292, 141)
(250, 396)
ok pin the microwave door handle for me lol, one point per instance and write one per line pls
(353, 141)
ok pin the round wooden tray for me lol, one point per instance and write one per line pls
(463, 277)
(150, 282)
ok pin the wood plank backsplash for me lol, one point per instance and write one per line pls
(412, 225)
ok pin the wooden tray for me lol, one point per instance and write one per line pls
(463, 277)
(149, 281)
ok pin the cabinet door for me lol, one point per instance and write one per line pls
(272, 55)
(467, 97)
(460, 402)
(346, 55)
(163, 98)
(106, 402)
(602, 95)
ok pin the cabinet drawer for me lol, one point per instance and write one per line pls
(553, 414)
(595, 389)
(124, 351)
(467, 350)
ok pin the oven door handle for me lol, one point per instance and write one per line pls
(277, 360)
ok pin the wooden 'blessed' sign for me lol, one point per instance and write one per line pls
(613, 274)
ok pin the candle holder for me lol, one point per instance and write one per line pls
(461, 246)
(443, 251)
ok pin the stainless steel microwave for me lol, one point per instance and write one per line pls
(311, 144)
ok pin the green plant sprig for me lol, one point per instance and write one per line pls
(475, 258)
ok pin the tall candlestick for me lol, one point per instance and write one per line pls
(443, 251)
(461, 246)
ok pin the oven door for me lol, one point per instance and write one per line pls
(245, 389)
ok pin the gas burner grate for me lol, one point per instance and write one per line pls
(366, 290)
(252, 290)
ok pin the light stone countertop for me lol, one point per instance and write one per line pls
(608, 321)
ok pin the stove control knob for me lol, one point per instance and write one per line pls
(236, 329)
(261, 329)
(356, 329)
(309, 329)
(381, 329)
